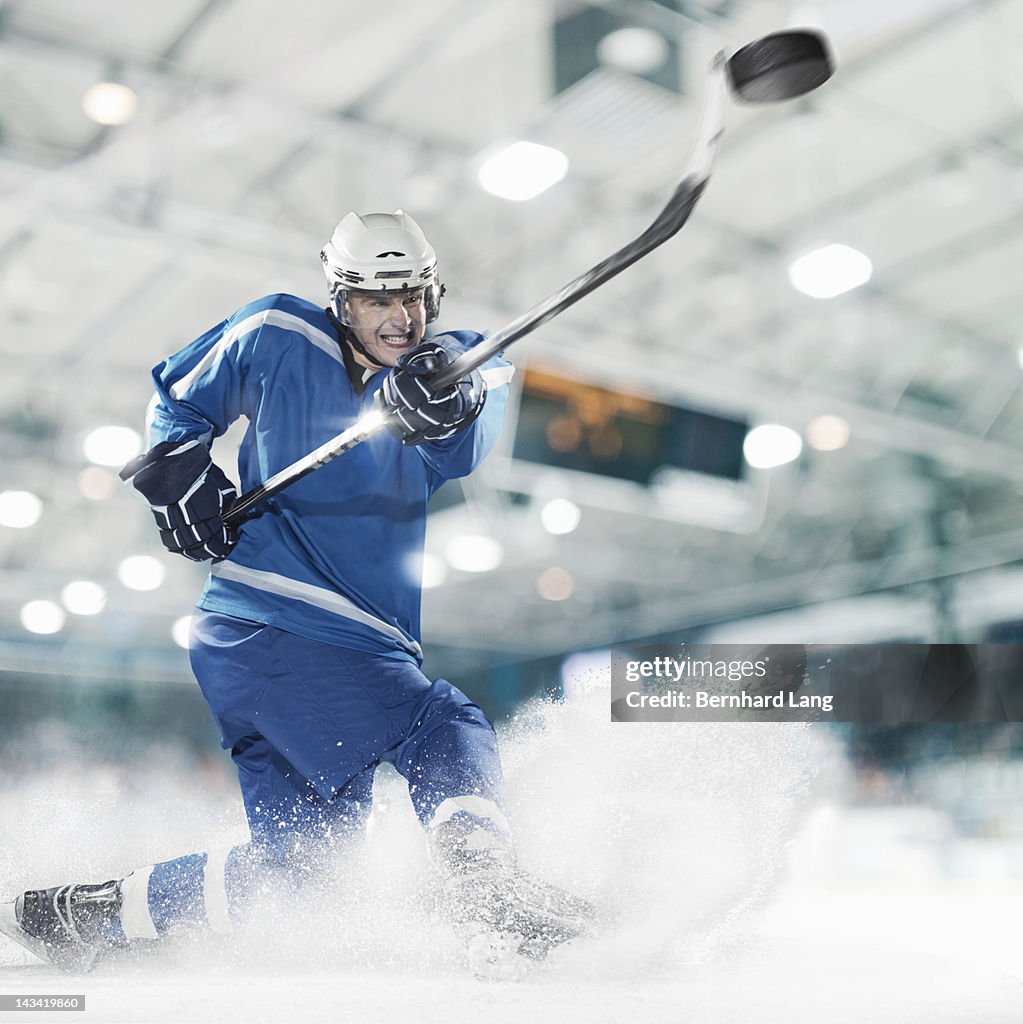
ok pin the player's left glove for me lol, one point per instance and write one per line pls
(421, 413)
(187, 493)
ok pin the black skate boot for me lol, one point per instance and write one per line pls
(499, 907)
(71, 926)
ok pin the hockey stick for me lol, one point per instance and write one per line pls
(777, 67)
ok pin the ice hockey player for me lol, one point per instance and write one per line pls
(305, 641)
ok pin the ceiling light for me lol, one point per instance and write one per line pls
(560, 516)
(474, 553)
(112, 446)
(83, 597)
(522, 170)
(638, 50)
(830, 271)
(141, 572)
(555, 584)
(771, 445)
(42, 617)
(181, 631)
(110, 103)
(827, 433)
(19, 509)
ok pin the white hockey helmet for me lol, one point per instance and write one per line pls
(386, 252)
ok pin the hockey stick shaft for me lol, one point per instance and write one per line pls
(667, 223)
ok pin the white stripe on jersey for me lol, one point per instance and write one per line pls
(329, 600)
(271, 317)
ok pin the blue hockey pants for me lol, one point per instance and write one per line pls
(307, 723)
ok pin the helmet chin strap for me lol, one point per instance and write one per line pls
(346, 334)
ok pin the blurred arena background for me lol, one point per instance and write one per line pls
(629, 500)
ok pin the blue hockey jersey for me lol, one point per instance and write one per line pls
(336, 556)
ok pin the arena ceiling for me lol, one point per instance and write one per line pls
(258, 126)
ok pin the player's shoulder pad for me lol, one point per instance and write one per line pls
(286, 304)
(282, 319)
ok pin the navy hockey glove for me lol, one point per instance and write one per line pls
(422, 414)
(187, 493)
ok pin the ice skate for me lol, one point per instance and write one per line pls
(499, 906)
(531, 915)
(71, 926)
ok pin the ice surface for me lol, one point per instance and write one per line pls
(742, 891)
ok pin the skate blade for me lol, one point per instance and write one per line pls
(9, 926)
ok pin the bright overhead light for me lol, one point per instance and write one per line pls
(141, 572)
(111, 445)
(83, 597)
(474, 553)
(110, 103)
(638, 50)
(42, 617)
(827, 433)
(771, 445)
(522, 170)
(555, 584)
(830, 271)
(19, 509)
(560, 516)
(181, 631)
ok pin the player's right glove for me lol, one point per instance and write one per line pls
(422, 413)
(187, 493)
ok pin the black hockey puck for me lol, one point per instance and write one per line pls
(780, 66)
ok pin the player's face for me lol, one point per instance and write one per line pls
(388, 324)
